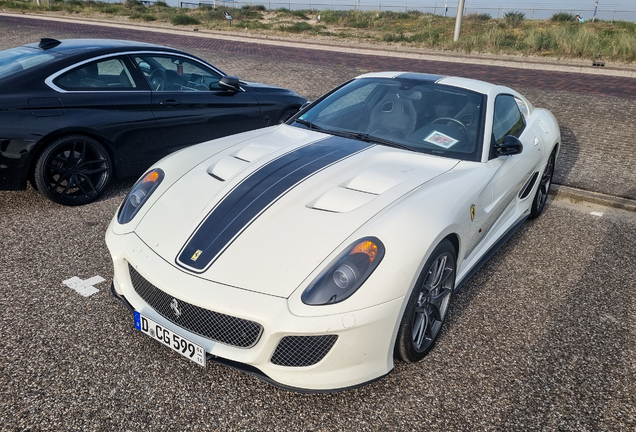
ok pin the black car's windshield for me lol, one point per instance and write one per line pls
(409, 113)
(16, 60)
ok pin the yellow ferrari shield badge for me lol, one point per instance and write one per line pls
(472, 212)
(196, 255)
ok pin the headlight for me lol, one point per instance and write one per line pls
(346, 274)
(138, 195)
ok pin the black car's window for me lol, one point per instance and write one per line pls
(173, 73)
(508, 119)
(16, 60)
(108, 74)
(418, 114)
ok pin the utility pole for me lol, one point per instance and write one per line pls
(458, 21)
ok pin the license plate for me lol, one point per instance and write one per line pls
(167, 337)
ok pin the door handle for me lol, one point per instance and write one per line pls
(536, 141)
(170, 103)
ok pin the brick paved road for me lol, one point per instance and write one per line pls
(595, 112)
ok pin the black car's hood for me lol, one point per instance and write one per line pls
(266, 88)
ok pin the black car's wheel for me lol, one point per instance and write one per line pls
(428, 305)
(73, 170)
(540, 198)
(286, 115)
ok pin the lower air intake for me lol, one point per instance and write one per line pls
(209, 324)
(299, 351)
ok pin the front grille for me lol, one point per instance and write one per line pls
(209, 324)
(299, 351)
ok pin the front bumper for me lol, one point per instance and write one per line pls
(362, 341)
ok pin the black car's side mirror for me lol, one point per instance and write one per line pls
(230, 83)
(511, 145)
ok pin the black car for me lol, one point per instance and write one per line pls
(76, 113)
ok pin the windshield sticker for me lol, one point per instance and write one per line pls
(439, 139)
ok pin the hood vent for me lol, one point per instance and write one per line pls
(227, 168)
(357, 192)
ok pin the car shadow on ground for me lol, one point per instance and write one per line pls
(568, 156)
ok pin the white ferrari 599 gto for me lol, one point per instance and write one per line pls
(313, 253)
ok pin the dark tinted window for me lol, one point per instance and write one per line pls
(16, 60)
(415, 113)
(107, 74)
(508, 119)
(173, 73)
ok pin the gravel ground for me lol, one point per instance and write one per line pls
(542, 338)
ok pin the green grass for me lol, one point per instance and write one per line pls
(562, 16)
(560, 36)
(182, 19)
(300, 27)
(514, 19)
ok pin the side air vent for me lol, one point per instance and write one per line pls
(525, 190)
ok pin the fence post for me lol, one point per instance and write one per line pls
(458, 20)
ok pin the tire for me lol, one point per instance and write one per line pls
(427, 306)
(541, 197)
(73, 170)
(286, 115)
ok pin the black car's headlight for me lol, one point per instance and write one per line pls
(138, 195)
(346, 274)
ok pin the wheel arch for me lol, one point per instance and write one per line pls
(45, 141)
(288, 108)
(453, 238)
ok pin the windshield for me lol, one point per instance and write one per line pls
(16, 60)
(419, 115)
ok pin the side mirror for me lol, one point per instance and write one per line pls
(230, 83)
(511, 145)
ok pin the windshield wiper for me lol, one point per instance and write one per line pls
(373, 139)
(355, 135)
(309, 124)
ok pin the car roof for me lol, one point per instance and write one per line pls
(465, 83)
(77, 46)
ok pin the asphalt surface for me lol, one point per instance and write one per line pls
(542, 338)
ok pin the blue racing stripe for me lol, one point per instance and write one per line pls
(256, 193)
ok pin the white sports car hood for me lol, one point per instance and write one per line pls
(278, 204)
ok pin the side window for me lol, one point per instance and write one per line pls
(108, 74)
(508, 119)
(172, 73)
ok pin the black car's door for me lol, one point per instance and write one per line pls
(108, 98)
(188, 103)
